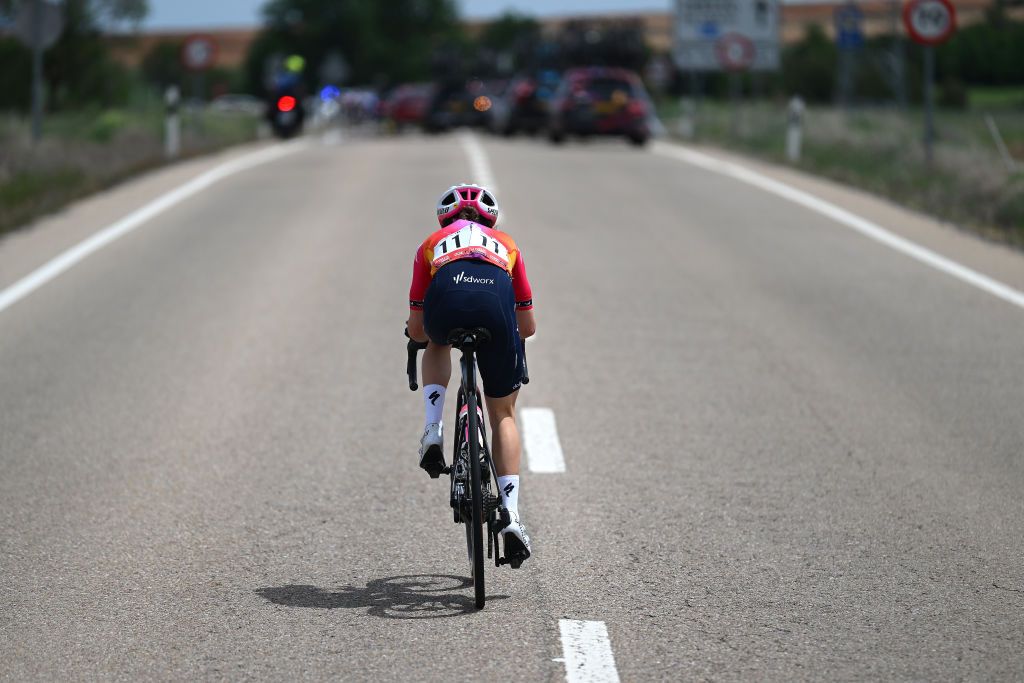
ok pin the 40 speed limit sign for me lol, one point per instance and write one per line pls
(929, 22)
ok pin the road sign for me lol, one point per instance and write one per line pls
(930, 22)
(717, 35)
(849, 21)
(199, 53)
(735, 52)
(50, 20)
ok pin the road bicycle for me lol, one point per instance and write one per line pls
(474, 479)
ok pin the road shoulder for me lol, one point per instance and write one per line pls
(25, 249)
(998, 261)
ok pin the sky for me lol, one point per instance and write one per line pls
(219, 13)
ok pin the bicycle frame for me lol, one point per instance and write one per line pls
(484, 502)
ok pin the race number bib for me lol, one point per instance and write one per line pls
(470, 242)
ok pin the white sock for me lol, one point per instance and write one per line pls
(509, 485)
(433, 402)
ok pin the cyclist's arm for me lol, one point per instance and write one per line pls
(417, 292)
(414, 325)
(527, 325)
(524, 299)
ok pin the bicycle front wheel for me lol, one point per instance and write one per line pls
(475, 534)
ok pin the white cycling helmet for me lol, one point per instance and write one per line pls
(466, 195)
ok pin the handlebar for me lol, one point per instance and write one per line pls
(413, 348)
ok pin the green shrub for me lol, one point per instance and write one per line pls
(107, 125)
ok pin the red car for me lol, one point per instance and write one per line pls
(408, 104)
(600, 101)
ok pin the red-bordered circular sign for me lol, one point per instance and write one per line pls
(930, 22)
(735, 51)
(199, 53)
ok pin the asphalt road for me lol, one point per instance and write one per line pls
(791, 453)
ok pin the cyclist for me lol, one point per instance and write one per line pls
(468, 274)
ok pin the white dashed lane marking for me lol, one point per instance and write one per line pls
(540, 440)
(479, 165)
(587, 652)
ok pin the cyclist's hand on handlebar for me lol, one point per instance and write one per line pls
(418, 344)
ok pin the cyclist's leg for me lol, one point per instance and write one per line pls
(437, 364)
(505, 444)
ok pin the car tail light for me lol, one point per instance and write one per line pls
(523, 90)
(286, 103)
(636, 108)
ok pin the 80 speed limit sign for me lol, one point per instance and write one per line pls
(198, 53)
(930, 22)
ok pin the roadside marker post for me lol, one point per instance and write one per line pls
(929, 23)
(172, 124)
(794, 129)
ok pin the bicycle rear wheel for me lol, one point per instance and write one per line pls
(475, 535)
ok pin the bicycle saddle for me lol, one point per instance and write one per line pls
(466, 340)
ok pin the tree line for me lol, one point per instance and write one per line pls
(383, 43)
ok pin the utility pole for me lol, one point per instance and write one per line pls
(899, 56)
(37, 70)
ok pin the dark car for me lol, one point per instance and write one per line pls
(462, 103)
(524, 107)
(600, 101)
(449, 108)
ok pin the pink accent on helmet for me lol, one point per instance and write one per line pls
(458, 197)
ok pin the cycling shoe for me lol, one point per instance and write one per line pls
(517, 541)
(431, 451)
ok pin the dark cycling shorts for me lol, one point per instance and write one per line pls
(472, 293)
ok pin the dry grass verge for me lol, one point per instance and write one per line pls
(880, 151)
(84, 152)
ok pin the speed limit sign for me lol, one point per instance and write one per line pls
(735, 51)
(198, 53)
(930, 22)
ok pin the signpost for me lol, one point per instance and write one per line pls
(716, 35)
(38, 25)
(726, 35)
(198, 55)
(849, 20)
(929, 23)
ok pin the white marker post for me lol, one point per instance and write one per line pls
(794, 131)
(172, 124)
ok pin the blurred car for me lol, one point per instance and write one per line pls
(359, 104)
(407, 104)
(448, 108)
(600, 101)
(524, 107)
(482, 95)
(462, 103)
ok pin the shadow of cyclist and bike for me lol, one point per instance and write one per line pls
(419, 596)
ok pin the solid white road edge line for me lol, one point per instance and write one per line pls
(540, 441)
(587, 652)
(844, 217)
(65, 260)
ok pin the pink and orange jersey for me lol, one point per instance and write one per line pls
(463, 240)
